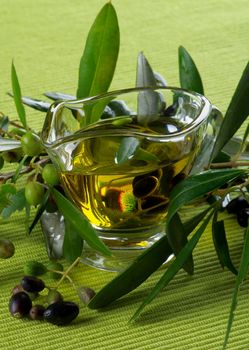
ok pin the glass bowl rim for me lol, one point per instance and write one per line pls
(205, 110)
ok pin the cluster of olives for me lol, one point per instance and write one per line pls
(31, 148)
(32, 298)
(53, 310)
(240, 207)
(43, 174)
(34, 190)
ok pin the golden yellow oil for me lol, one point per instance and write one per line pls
(123, 201)
(130, 193)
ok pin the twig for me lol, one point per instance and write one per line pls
(26, 170)
(65, 274)
(231, 164)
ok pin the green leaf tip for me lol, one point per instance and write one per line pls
(98, 62)
(243, 269)
(18, 96)
(237, 112)
(189, 75)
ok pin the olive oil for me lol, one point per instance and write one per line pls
(129, 201)
(121, 182)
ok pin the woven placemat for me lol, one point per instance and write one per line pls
(46, 40)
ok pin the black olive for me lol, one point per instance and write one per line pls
(61, 313)
(20, 304)
(32, 284)
(164, 126)
(242, 217)
(144, 186)
(154, 204)
(36, 312)
(236, 205)
(171, 110)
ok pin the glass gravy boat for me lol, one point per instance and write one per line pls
(120, 154)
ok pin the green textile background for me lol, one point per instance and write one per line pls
(46, 39)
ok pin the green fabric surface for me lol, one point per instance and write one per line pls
(46, 39)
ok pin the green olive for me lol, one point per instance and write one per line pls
(34, 193)
(50, 175)
(31, 144)
(7, 249)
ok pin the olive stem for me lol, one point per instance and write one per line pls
(65, 274)
(62, 273)
(26, 170)
(232, 164)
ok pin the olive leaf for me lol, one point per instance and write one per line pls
(7, 144)
(242, 272)
(178, 239)
(18, 169)
(174, 267)
(145, 76)
(189, 75)
(221, 245)
(127, 148)
(40, 210)
(160, 80)
(236, 114)
(197, 185)
(39, 105)
(142, 267)
(72, 244)
(191, 188)
(119, 108)
(17, 202)
(27, 217)
(6, 190)
(135, 274)
(148, 101)
(57, 96)
(229, 150)
(79, 223)
(4, 122)
(243, 144)
(97, 65)
(18, 96)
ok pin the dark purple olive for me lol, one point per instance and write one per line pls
(20, 304)
(236, 204)
(171, 110)
(19, 288)
(32, 284)
(36, 312)
(155, 204)
(61, 313)
(242, 217)
(144, 186)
